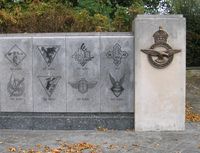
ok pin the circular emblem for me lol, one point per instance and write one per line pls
(83, 86)
(162, 59)
(160, 54)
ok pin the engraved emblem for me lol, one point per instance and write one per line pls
(117, 54)
(49, 83)
(117, 87)
(83, 85)
(160, 54)
(15, 55)
(48, 52)
(15, 86)
(83, 55)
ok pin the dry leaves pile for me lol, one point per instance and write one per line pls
(190, 115)
(63, 148)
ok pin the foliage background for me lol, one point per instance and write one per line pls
(28, 16)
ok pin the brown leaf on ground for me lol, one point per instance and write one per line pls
(12, 149)
(135, 145)
(55, 150)
(38, 145)
(102, 129)
(112, 146)
(190, 115)
(62, 148)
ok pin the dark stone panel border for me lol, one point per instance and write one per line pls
(66, 121)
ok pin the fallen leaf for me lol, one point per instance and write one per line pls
(135, 145)
(12, 149)
(102, 129)
(112, 146)
(55, 151)
(190, 115)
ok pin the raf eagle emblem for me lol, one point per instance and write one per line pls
(160, 54)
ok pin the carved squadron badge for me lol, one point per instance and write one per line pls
(160, 54)
(117, 54)
(49, 83)
(15, 86)
(117, 87)
(15, 55)
(48, 52)
(83, 85)
(83, 55)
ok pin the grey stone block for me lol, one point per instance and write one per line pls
(49, 92)
(66, 121)
(116, 73)
(16, 74)
(83, 73)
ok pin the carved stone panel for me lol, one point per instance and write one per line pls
(116, 73)
(16, 74)
(49, 90)
(83, 73)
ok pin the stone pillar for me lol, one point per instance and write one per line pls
(160, 54)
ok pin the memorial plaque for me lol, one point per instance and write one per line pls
(116, 73)
(49, 92)
(83, 74)
(16, 74)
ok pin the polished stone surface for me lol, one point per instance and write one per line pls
(49, 92)
(16, 74)
(68, 72)
(66, 121)
(83, 73)
(117, 74)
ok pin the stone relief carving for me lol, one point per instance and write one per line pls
(160, 54)
(83, 55)
(15, 55)
(15, 86)
(117, 54)
(117, 87)
(48, 52)
(83, 85)
(49, 83)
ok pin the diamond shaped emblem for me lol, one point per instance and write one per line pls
(15, 55)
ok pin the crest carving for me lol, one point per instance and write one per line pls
(48, 52)
(160, 54)
(83, 85)
(117, 54)
(49, 83)
(83, 55)
(117, 87)
(15, 86)
(15, 55)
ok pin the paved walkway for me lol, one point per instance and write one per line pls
(187, 141)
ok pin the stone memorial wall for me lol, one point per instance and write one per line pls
(66, 73)
(90, 80)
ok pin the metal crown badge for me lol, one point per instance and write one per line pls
(160, 54)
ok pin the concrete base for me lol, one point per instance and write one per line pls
(66, 121)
